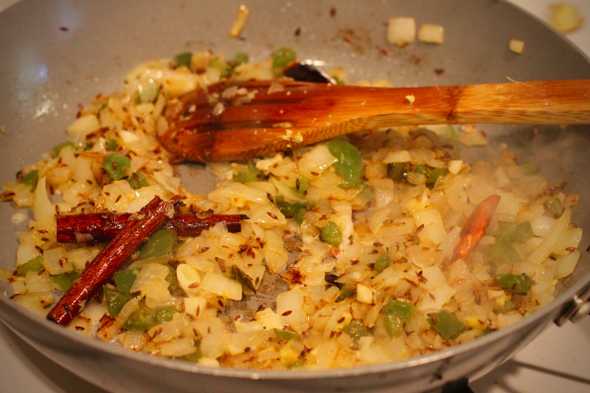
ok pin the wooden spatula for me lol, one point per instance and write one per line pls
(241, 120)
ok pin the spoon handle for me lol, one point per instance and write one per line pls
(536, 102)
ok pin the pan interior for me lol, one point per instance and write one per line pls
(64, 55)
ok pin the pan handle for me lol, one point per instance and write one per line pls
(575, 309)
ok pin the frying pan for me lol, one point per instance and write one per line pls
(58, 53)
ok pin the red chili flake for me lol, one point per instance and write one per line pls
(63, 28)
(293, 276)
(286, 313)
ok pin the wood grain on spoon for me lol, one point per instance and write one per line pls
(213, 126)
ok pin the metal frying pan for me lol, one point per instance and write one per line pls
(58, 53)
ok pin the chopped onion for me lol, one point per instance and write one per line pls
(565, 17)
(401, 31)
(240, 21)
(83, 126)
(43, 210)
(220, 285)
(188, 278)
(516, 46)
(433, 229)
(316, 161)
(290, 308)
(431, 34)
(455, 166)
(397, 156)
(365, 294)
(567, 264)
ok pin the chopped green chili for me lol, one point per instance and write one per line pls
(331, 234)
(382, 263)
(519, 284)
(350, 163)
(145, 318)
(124, 280)
(247, 174)
(447, 325)
(161, 243)
(137, 180)
(395, 314)
(31, 179)
(55, 150)
(295, 210)
(115, 300)
(281, 58)
(355, 329)
(183, 59)
(286, 335)
(111, 144)
(116, 165)
(32, 265)
(64, 281)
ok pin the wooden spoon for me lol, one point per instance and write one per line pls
(239, 120)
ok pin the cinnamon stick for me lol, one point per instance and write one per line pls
(98, 227)
(137, 228)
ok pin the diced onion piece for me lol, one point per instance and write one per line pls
(194, 306)
(440, 291)
(455, 166)
(316, 161)
(177, 348)
(401, 31)
(188, 278)
(542, 225)
(220, 285)
(83, 126)
(275, 254)
(516, 46)
(552, 240)
(55, 261)
(569, 240)
(567, 264)
(240, 21)
(565, 17)
(43, 208)
(397, 156)
(269, 319)
(36, 302)
(248, 327)
(208, 362)
(433, 229)
(431, 34)
(290, 309)
(364, 294)
(151, 282)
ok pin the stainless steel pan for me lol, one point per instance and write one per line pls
(56, 54)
